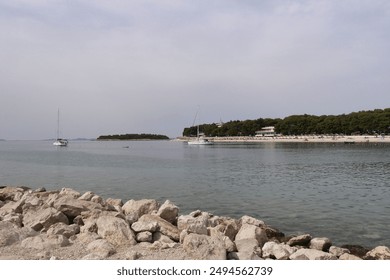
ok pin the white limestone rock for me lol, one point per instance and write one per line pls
(311, 254)
(87, 196)
(252, 221)
(64, 229)
(337, 251)
(73, 207)
(164, 227)
(277, 251)
(197, 224)
(144, 226)
(102, 248)
(70, 192)
(115, 230)
(168, 211)
(205, 247)
(45, 242)
(379, 253)
(301, 240)
(248, 231)
(349, 257)
(140, 207)
(320, 243)
(42, 218)
(144, 236)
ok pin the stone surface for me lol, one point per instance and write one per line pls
(73, 207)
(70, 192)
(140, 207)
(102, 248)
(115, 230)
(311, 254)
(164, 227)
(320, 243)
(277, 251)
(204, 247)
(63, 229)
(379, 253)
(248, 231)
(337, 251)
(301, 240)
(43, 218)
(44, 242)
(348, 257)
(252, 221)
(144, 226)
(168, 211)
(144, 236)
(197, 224)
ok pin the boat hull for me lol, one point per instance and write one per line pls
(61, 143)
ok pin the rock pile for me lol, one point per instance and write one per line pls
(64, 224)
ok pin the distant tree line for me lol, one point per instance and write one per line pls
(142, 136)
(363, 122)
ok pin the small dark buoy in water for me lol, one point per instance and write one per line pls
(126, 147)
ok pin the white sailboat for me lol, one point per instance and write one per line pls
(200, 139)
(59, 141)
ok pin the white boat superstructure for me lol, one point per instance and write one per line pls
(59, 141)
(200, 140)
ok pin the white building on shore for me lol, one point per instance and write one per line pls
(267, 131)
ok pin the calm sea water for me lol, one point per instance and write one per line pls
(338, 191)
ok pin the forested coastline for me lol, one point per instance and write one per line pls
(373, 122)
(142, 136)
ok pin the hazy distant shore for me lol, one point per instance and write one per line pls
(298, 139)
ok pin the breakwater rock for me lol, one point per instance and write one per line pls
(65, 224)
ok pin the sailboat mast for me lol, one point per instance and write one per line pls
(58, 123)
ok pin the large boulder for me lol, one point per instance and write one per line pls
(337, 251)
(230, 246)
(311, 254)
(64, 229)
(379, 253)
(70, 192)
(300, 240)
(43, 218)
(349, 257)
(141, 207)
(73, 207)
(204, 247)
(193, 224)
(249, 231)
(277, 251)
(144, 226)
(252, 221)
(228, 226)
(8, 233)
(45, 242)
(168, 211)
(12, 193)
(320, 243)
(102, 248)
(248, 249)
(115, 230)
(164, 227)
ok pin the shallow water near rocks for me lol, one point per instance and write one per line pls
(334, 190)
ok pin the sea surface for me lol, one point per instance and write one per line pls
(328, 190)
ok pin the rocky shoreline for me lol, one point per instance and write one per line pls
(67, 225)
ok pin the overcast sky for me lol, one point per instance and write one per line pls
(119, 66)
